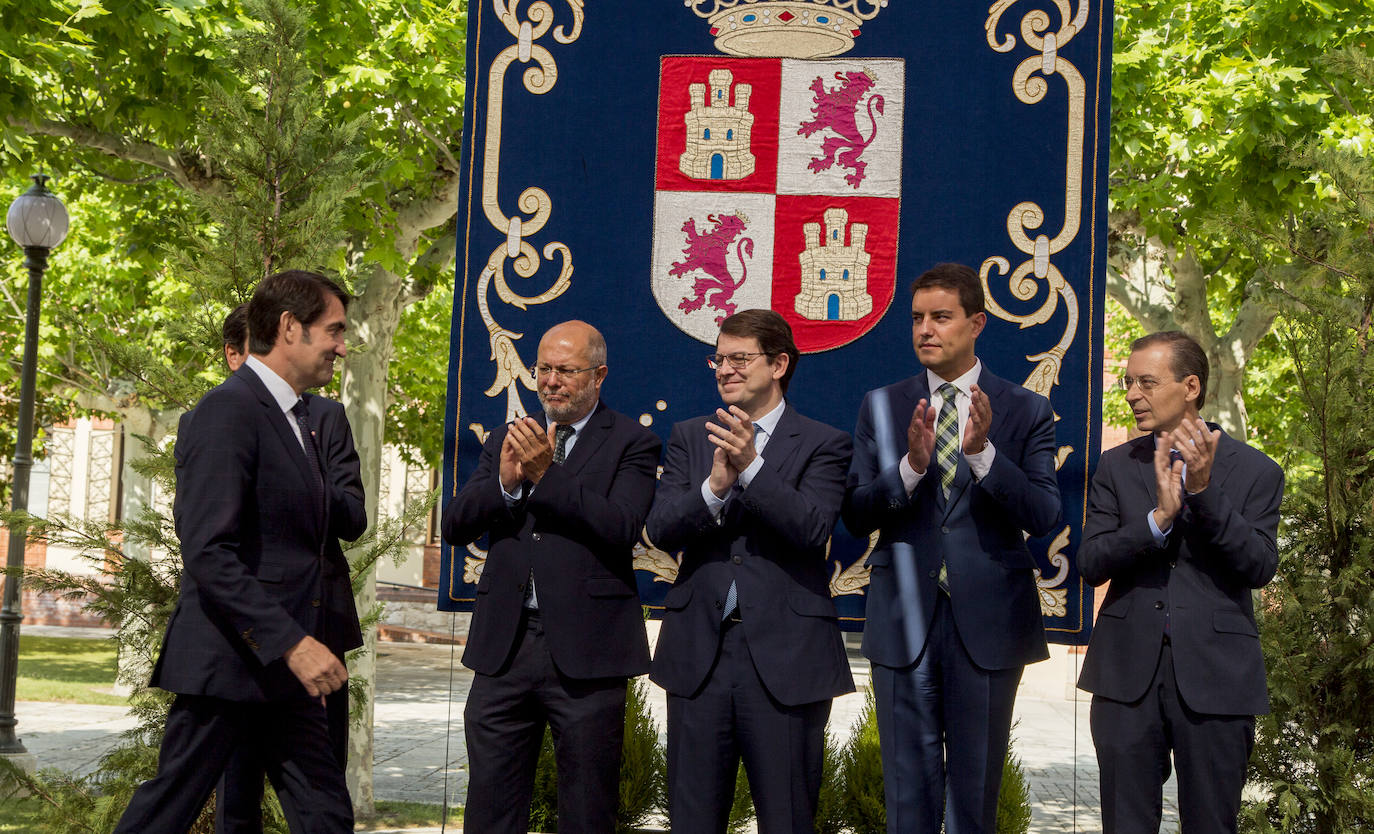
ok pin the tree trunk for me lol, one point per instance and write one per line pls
(1165, 289)
(373, 318)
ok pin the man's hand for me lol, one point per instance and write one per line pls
(734, 435)
(920, 437)
(512, 473)
(1198, 446)
(1168, 483)
(316, 667)
(979, 421)
(723, 475)
(533, 447)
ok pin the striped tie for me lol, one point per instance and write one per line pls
(947, 455)
(947, 437)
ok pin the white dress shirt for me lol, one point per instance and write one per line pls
(978, 463)
(763, 429)
(281, 391)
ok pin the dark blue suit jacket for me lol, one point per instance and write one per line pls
(1221, 546)
(258, 572)
(577, 530)
(347, 518)
(772, 542)
(979, 530)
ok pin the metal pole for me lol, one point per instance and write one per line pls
(10, 614)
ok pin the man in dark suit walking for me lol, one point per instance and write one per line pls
(952, 467)
(244, 649)
(1182, 523)
(557, 629)
(750, 649)
(238, 806)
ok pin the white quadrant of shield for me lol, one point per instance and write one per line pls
(855, 127)
(746, 279)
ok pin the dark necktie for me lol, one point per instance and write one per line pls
(560, 444)
(312, 454)
(560, 451)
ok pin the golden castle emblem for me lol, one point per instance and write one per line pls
(834, 275)
(785, 28)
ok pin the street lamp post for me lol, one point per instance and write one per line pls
(37, 221)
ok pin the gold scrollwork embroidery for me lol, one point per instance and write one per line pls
(1054, 597)
(660, 563)
(853, 579)
(1030, 84)
(534, 203)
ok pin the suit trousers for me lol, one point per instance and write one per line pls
(732, 717)
(1133, 743)
(238, 797)
(290, 738)
(943, 726)
(504, 725)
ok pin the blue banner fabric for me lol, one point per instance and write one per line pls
(652, 167)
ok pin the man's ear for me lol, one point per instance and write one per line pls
(287, 327)
(780, 365)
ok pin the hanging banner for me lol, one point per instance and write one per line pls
(652, 168)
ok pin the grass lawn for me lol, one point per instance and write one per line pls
(18, 816)
(72, 670)
(406, 815)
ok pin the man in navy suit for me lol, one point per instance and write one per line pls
(1182, 523)
(557, 629)
(238, 805)
(750, 649)
(244, 650)
(952, 466)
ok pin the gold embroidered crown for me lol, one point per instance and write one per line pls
(785, 28)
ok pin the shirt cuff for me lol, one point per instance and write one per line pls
(910, 477)
(750, 471)
(1161, 536)
(512, 498)
(714, 504)
(980, 464)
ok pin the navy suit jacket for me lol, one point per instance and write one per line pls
(978, 531)
(347, 518)
(257, 564)
(577, 529)
(772, 541)
(1221, 546)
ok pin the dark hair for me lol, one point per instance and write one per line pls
(956, 277)
(235, 328)
(773, 333)
(1187, 358)
(302, 294)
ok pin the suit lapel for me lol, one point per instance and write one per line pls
(593, 434)
(786, 438)
(278, 420)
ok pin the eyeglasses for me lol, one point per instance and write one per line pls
(538, 371)
(1146, 384)
(736, 360)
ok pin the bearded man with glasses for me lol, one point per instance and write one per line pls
(557, 629)
(750, 651)
(1182, 522)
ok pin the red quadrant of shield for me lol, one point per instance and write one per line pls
(880, 215)
(677, 74)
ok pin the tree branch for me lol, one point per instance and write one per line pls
(151, 178)
(1190, 292)
(442, 146)
(419, 215)
(173, 164)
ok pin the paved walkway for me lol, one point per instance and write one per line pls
(419, 755)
